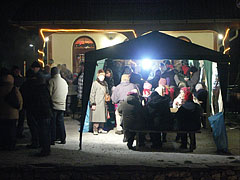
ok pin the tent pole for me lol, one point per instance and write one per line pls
(89, 70)
(223, 79)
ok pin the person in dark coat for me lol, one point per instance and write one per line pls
(110, 81)
(169, 75)
(46, 73)
(18, 78)
(188, 119)
(132, 117)
(9, 112)
(26, 91)
(41, 110)
(193, 74)
(156, 79)
(135, 78)
(18, 82)
(159, 115)
(202, 94)
(38, 105)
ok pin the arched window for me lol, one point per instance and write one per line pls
(184, 38)
(80, 46)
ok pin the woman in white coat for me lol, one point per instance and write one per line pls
(97, 103)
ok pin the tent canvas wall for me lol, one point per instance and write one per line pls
(154, 45)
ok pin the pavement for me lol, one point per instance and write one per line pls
(109, 149)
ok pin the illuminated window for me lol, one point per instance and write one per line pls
(80, 47)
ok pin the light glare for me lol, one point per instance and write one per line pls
(46, 39)
(146, 64)
(220, 36)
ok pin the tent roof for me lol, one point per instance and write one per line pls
(157, 45)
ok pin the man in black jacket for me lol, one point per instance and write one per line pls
(188, 119)
(38, 105)
(159, 115)
(132, 117)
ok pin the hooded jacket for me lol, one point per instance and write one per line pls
(159, 115)
(132, 113)
(188, 116)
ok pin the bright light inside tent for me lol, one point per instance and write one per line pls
(146, 64)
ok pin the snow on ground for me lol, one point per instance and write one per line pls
(109, 149)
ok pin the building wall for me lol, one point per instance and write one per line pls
(62, 44)
(203, 38)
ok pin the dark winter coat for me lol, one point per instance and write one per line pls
(169, 73)
(202, 95)
(159, 115)
(110, 82)
(132, 113)
(193, 81)
(36, 98)
(154, 81)
(188, 116)
(18, 81)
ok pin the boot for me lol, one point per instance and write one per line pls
(95, 129)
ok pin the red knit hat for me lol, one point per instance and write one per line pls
(188, 96)
(185, 89)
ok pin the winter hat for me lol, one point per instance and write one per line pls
(146, 89)
(162, 82)
(54, 71)
(125, 78)
(35, 64)
(198, 87)
(160, 90)
(188, 96)
(186, 89)
(147, 85)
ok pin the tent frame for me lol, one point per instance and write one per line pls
(92, 57)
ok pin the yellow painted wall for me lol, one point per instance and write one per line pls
(203, 38)
(62, 44)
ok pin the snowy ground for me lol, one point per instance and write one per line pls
(109, 149)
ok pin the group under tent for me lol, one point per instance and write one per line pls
(155, 47)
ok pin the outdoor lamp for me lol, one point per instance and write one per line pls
(46, 39)
(220, 36)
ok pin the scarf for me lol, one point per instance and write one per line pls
(103, 83)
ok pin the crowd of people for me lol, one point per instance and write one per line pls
(41, 97)
(135, 103)
(145, 104)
